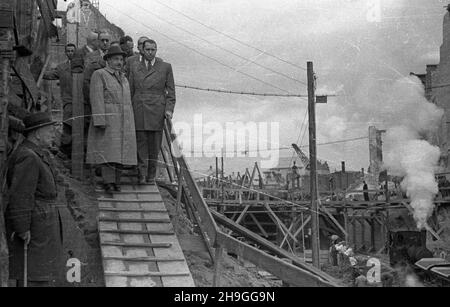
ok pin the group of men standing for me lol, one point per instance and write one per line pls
(127, 99)
(148, 82)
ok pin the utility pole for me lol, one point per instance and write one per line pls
(222, 183)
(315, 244)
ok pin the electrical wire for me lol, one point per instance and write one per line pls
(231, 37)
(198, 52)
(220, 47)
(241, 92)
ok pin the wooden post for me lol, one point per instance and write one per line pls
(166, 163)
(372, 234)
(222, 185)
(4, 259)
(346, 225)
(78, 127)
(386, 191)
(179, 196)
(217, 266)
(363, 232)
(217, 172)
(354, 225)
(315, 244)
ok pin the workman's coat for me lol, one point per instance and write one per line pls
(32, 206)
(93, 62)
(152, 92)
(63, 73)
(112, 134)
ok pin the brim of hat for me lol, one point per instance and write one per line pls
(40, 126)
(107, 56)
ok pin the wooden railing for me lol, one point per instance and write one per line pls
(278, 262)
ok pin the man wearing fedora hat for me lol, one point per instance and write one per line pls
(112, 135)
(32, 217)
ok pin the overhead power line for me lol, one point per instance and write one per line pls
(302, 96)
(231, 37)
(220, 47)
(272, 149)
(198, 52)
(240, 92)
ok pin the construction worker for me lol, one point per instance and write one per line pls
(33, 222)
(366, 191)
(63, 73)
(333, 250)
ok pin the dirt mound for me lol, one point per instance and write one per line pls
(78, 209)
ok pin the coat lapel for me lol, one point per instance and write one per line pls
(153, 69)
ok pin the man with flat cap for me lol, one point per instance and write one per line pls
(33, 223)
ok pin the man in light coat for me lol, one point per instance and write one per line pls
(153, 95)
(112, 135)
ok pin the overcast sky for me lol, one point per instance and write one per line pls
(355, 54)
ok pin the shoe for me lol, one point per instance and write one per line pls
(108, 188)
(142, 180)
(117, 188)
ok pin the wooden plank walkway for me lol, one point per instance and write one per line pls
(138, 242)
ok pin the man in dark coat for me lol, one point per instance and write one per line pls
(64, 75)
(78, 63)
(366, 191)
(153, 95)
(32, 216)
(127, 45)
(137, 57)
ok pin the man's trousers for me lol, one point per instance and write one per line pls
(111, 173)
(148, 148)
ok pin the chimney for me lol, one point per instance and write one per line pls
(343, 166)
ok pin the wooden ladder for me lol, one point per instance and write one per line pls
(138, 242)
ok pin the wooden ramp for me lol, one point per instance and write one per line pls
(138, 242)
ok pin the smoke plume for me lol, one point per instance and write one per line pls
(408, 153)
